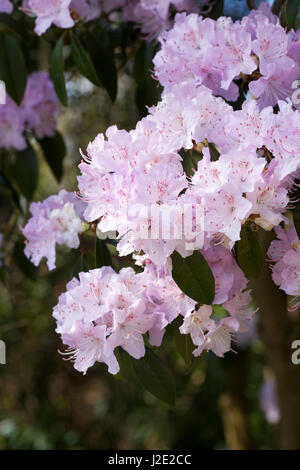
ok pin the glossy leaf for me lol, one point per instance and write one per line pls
(103, 256)
(100, 48)
(26, 171)
(155, 376)
(83, 61)
(12, 67)
(292, 14)
(54, 150)
(194, 277)
(81, 265)
(249, 253)
(25, 265)
(148, 90)
(184, 343)
(7, 184)
(57, 72)
(126, 372)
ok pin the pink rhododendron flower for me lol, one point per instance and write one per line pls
(271, 42)
(269, 400)
(55, 220)
(285, 253)
(208, 334)
(104, 310)
(153, 15)
(40, 105)
(6, 6)
(90, 9)
(48, 12)
(276, 82)
(207, 52)
(229, 278)
(11, 126)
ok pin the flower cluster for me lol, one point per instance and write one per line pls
(216, 53)
(152, 16)
(131, 174)
(285, 253)
(133, 184)
(104, 310)
(56, 220)
(37, 113)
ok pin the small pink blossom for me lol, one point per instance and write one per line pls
(55, 220)
(6, 6)
(40, 105)
(48, 12)
(11, 126)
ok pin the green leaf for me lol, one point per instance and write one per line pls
(220, 311)
(190, 160)
(100, 47)
(25, 265)
(249, 253)
(194, 277)
(7, 184)
(81, 265)
(57, 72)
(26, 171)
(103, 256)
(184, 343)
(126, 372)
(83, 61)
(292, 14)
(155, 376)
(148, 90)
(54, 150)
(12, 67)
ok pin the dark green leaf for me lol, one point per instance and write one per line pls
(103, 256)
(83, 61)
(126, 372)
(292, 14)
(27, 268)
(194, 277)
(148, 90)
(100, 48)
(155, 376)
(26, 171)
(184, 343)
(249, 253)
(12, 67)
(81, 265)
(57, 72)
(7, 184)
(190, 160)
(54, 150)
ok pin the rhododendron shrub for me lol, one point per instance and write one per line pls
(185, 197)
